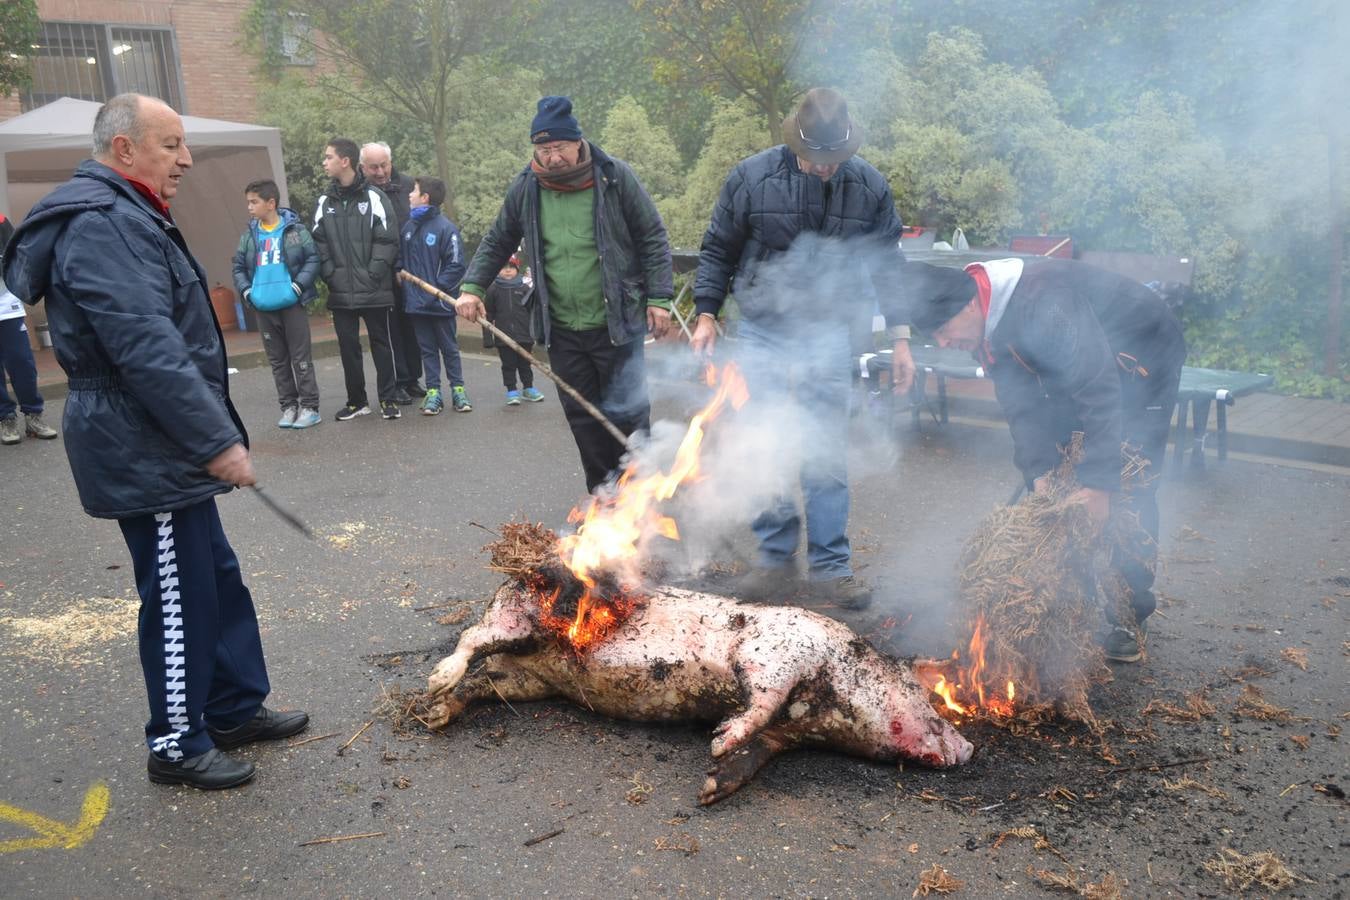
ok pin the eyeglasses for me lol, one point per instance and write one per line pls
(825, 148)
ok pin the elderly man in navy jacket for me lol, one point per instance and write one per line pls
(151, 434)
(806, 235)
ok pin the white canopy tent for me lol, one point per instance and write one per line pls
(41, 148)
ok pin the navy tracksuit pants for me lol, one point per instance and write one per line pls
(200, 649)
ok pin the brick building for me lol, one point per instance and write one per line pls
(190, 53)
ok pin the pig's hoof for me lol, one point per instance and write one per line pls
(446, 675)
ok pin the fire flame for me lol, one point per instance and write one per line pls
(971, 690)
(614, 527)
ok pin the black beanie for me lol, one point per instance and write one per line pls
(554, 121)
(936, 293)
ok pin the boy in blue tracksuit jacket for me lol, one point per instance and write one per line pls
(275, 268)
(431, 251)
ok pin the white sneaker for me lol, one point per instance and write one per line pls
(307, 418)
(287, 418)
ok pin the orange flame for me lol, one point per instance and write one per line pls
(955, 684)
(613, 528)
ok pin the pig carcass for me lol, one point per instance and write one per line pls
(773, 678)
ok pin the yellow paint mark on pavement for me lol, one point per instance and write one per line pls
(54, 835)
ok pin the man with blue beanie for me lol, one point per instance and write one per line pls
(603, 276)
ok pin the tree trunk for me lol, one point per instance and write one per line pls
(443, 172)
(1332, 358)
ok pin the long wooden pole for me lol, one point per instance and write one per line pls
(529, 357)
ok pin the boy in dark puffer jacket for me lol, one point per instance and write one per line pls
(432, 252)
(508, 307)
(275, 268)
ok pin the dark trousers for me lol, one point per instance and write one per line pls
(285, 336)
(408, 355)
(514, 364)
(436, 338)
(200, 649)
(16, 359)
(347, 326)
(1147, 403)
(615, 380)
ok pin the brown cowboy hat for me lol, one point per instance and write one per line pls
(821, 130)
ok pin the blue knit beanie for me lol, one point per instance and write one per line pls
(554, 121)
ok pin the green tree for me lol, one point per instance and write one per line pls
(401, 54)
(630, 135)
(19, 30)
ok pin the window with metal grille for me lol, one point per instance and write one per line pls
(91, 61)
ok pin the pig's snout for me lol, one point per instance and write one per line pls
(931, 740)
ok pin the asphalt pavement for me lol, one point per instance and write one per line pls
(1256, 584)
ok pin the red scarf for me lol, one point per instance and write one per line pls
(148, 193)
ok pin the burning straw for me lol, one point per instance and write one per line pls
(1029, 588)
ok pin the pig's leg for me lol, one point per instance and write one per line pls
(501, 679)
(735, 770)
(502, 629)
(766, 689)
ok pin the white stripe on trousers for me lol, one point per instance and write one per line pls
(175, 671)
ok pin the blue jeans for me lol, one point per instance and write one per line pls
(16, 358)
(436, 338)
(810, 374)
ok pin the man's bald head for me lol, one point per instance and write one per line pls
(377, 162)
(142, 137)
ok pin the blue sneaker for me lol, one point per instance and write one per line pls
(533, 395)
(287, 418)
(432, 404)
(513, 398)
(460, 400)
(307, 418)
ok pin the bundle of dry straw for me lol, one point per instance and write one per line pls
(523, 549)
(1031, 574)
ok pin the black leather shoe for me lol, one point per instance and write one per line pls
(211, 771)
(265, 726)
(415, 389)
(402, 397)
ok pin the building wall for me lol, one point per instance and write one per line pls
(216, 68)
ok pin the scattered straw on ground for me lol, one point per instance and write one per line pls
(1031, 573)
(75, 635)
(406, 711)
(684, 843)
(640, 790)
(1252, 704)
(1295, 656)
(1197, 707)
(937, 881)
(522, 549)
(1111, 887)
(1265, 869)
(1187, 783)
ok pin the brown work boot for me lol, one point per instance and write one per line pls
(779, 582)
(33, 424)
(846, 592)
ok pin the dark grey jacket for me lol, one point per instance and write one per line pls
(133, 328)
(1099, 344)
(767, 203)
(629, 235)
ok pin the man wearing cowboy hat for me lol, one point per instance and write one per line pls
(807, 235)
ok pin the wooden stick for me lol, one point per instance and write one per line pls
(1167, 765)
(310, 740)
(352, 739)
(528, 357)
(340, 838)
(543, 837)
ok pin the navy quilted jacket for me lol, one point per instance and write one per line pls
(133, 328)
(767, 203)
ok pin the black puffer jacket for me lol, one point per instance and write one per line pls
(133, 328)
(357, 233)
(766, 204)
